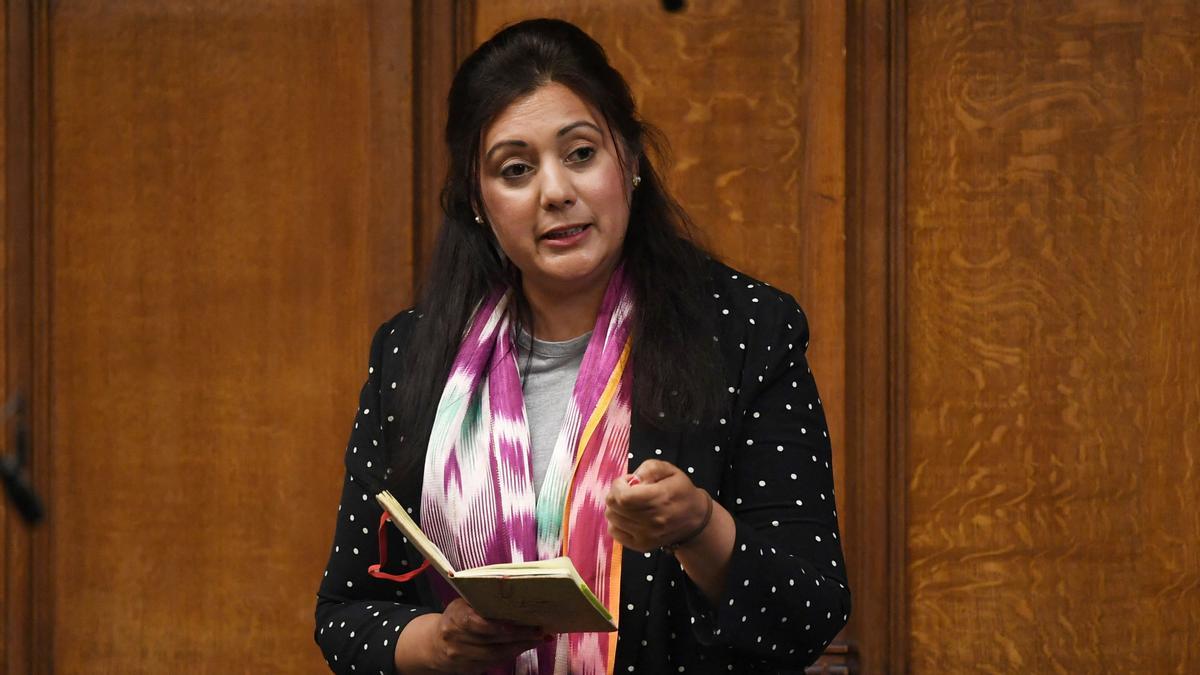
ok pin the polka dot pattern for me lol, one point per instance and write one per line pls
(767, 460)
(359, 616)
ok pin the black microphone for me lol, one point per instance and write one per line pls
(12, 470)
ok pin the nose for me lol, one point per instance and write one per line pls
(557, 190)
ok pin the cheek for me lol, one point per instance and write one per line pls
(508, 211)
(607, 196)
(500, 203)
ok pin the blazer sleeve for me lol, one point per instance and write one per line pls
(786, 594)
(359, 617)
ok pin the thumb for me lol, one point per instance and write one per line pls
(654, 470)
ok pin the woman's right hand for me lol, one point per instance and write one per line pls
(460, 641)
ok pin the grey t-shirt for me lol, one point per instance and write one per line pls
(552, 369)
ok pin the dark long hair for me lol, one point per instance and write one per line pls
(674, 362)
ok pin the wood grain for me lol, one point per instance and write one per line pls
(1054, 271)
(230, 200)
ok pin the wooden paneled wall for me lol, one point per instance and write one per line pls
(989, 210)
(228, 206)
(236, 193)
(1053, 302)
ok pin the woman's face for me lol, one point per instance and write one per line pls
(554, 192)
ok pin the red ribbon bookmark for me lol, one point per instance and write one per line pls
(374, 570)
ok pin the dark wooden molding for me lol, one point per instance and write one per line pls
(443, 34)
(876, 378)
(898, 339)
(29, 583)
(20, 597)
(464, 31)
(42, 404)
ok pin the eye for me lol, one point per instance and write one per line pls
(515, 170)
(581, 154)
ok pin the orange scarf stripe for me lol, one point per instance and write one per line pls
(613, 601)
(610, 390)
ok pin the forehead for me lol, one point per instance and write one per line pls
(540, 115)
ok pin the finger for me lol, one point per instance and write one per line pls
(471, 658)
(617, 489)
(474, 628)
(487, 645)
(637, 497)
(666, 492)
(654, 470)
(485, 632)
(623, 495)
(630, 540)
(494, 640)
(643, 525)
(622, 484)
(653, 498)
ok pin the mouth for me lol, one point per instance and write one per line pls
(565, 231)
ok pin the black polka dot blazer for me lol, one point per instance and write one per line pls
(767, 462)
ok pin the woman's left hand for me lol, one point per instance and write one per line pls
(660, 508)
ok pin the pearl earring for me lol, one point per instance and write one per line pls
(637, 180)
(479, 219)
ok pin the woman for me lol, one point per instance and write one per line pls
(574, 358)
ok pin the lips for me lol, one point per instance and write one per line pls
(565, 231)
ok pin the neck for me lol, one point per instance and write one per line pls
(559, 316)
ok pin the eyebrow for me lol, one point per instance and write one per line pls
(561, 132)
(573, 125)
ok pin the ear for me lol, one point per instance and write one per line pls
(495, 241)
(480, 214)
(632, 178)
(633, 164)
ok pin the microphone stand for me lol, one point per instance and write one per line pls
(12, 468)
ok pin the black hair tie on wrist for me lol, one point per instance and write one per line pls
(671, 548)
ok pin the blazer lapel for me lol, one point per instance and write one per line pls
(639, 570)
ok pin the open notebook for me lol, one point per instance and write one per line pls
(546, 593)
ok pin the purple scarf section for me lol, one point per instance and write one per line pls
(479, 504)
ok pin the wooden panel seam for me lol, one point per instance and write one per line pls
(897, 492)
(442, 38)
(875, 381)
(42, 405)
(21, 138)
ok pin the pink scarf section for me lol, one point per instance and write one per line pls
(478, 502)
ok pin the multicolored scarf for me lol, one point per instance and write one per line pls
(478, 501)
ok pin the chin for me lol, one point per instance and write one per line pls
(574, 273)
